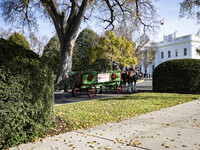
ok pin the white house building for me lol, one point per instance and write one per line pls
(174, 47)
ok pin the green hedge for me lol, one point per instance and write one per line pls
(26, 95)
(177, 76)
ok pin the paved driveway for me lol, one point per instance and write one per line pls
(62, 98)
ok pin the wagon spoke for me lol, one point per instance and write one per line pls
(119, 89)
(92, 91)
(76, 92)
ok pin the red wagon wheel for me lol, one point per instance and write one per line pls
(92, 91)
(76, 92)
(119, 89)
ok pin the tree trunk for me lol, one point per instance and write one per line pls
(67, 30)
(66, 50)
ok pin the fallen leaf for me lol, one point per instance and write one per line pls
(92, 146)
(90, 142)
(118, 139)
(58, 148)
(115, 142)
(165, 145)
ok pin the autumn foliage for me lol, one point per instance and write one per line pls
(114, 48)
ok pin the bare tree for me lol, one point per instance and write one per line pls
(190, 8)
(5, 33)
(147, 54)
(67, 15)
(37, 43)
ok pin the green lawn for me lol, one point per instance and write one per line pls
(90, 113)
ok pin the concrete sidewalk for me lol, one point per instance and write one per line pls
(174, 128)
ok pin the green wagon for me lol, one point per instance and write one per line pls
(91, 81)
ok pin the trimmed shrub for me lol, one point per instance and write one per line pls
(26, 95)
(177, 76)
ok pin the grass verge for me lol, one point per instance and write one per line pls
(91, 113)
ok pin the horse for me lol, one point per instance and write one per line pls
(129, 76)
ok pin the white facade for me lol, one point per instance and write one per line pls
(173, 47)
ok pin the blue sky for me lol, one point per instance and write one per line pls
(167, 9)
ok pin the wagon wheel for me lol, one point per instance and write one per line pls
(119, 89)
(76, 92)
(92, 91)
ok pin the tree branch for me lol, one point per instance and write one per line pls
(137, 12)
(112, 18)
(73, 10)
(53, 10)
(76, 20)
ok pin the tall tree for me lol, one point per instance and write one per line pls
(67, 15)
(86, 39)
(141, 38)
(19, 39)
(114, 48)
(51, 53)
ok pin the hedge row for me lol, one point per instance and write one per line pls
(177, 76)
(26, 95)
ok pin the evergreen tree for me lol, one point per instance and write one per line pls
(51, 53)
(86, 39)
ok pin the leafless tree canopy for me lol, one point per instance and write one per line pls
(110, 12)
(190, 8)
(5, 33)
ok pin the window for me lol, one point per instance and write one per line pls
(176, 52)
(185, 51)
(169, 54)
(162, 54)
